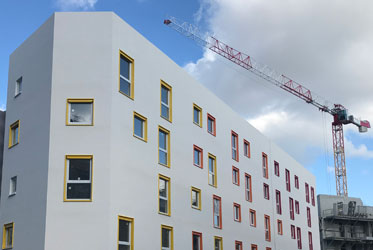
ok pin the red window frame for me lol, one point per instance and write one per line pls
(296, 181)
(278, 202)
(238, 176)
(246, 146)
(309, 217)
(265, 165)
(313, 196)
(297, 207)
(236, 155)
(200, 237)
(252, 213)
(266, 191)
(195, 147)
(287, 180)
(215, 197)
(291, 208)
(250, 196)
(292, 231)
(267, 227)
(277, 168)
(310, 243)
(307, 192)
(279, 227)
(236, 205)
(237, 243)
(299, 238)
(214, 124)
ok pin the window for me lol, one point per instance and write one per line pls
(248, 189)
(164, 195)
(267, 227)
(246, 148)
(212, 170)
(163, 146)
(292, 231)
(211, 124)
(8, 235)
(237, 212)
(254, 247)
(18, 88)
(238, 245)
(196, 198)
(310, 244)
(14, 134)
(167, 237)
(218, 243)
(278, 202)
(309, 217)
(197, 241)
(299, 238)
(279, 227)
(265, 165)
(297, 207)
(235, 176)
(234, 143)
(197, 115)
(291, 208)
(79, 112)
(197, 156)
(277, 168)
(140, 126)
(266, 191)
(13, 186)
(166, 101)
(126, 75)
(296, 182)
(125, 233)
(313, 196)
(217, 211)
(287, 179)
(307, 193)
(252, 217)
(78, 178)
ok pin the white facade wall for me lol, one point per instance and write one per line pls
(125, 169)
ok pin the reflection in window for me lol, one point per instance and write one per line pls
(80, 112)
(78, 178)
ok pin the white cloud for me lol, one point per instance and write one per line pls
(330, 169)
(326, 45)
(67, 5)
(2, 107)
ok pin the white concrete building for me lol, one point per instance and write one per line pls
(111, 145)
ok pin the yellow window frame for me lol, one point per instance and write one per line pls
(75, 100)
(215, 169)
(171, 235)
(160, 128)
(68, 157)
(220, 242)
(195, 106)
(167, 86)
(132, 221)
(168, 180)
(5, 227)
(145, 120)
(132, 61)
(197, 190)
(11, 127)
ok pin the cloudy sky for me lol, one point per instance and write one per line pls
(325, 45)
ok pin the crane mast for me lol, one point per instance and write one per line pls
(339, 112)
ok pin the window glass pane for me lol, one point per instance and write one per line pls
(164, 95)
(163, 208)
(162, 188)
(124, 67)
(125, 86)
(9, 236)
(217, 244)
(15, 135)
(210, 125)
(124, 247)
(81, 112)
(196, 115)
(165, 237)
(124, 231)
(196, 157)
(162, 140)
(164, 111)
(196, 242)
(162, 157)
(194, 198)
(78, 191)
(139, 127)
(79, 169)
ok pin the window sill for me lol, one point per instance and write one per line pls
(169, 215)
(199, 125)
(79, 125)
(130, 97)
(67, 200)
(201, 167)
(215, 186)
(167, 166)
(11, 195)
(140, 138)
(169, 120)
(11, 146)
(197, 208)
(17, 94)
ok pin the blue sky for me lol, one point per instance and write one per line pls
(271, 32)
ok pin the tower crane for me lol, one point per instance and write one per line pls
(339, 112)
